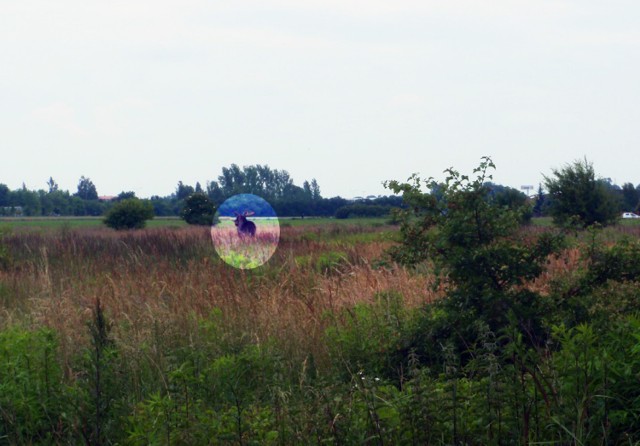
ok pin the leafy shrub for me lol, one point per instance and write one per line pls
(607, 305)
(512, 199)
(476, 243)
(597, 396)
(578, 198)
(621, 262)
(33, 407)
(129, 214)
(603, 291)
(228, 401)
(198, 210)
(371, 337)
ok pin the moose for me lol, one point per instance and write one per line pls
(244, 226)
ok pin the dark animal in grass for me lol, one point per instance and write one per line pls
(244, 226)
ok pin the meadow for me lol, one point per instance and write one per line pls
(148, 337)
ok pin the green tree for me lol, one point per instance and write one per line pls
(539, 206)
(5, 194)
(129, 214)
(60, 202)
(126, 195)
(630, 197)
(578, 198)
(53, 186)
(55, 202)
(259, 180)
(476, 243)
(183, 190)
(86, 189)
(306, 186)
(28, 200)
(161, 206)
(214, 193)
(198, 210)
(94, 207)
(315, 190)
(511, 198)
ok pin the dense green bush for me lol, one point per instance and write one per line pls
(620, 262)
(227, 401)
(371, 338)
(579, 198)
(198, 210)
(581, 388)
(129, 214)
(477, 244)
(603, 291)
(34, 402)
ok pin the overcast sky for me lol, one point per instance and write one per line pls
(139, 94)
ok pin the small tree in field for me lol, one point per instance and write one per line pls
(578, 198)
(198, 210)
(129, 214)
(475, 243)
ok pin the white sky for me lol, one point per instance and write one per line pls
(139, 94)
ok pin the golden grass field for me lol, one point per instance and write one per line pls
(163, 279)
(284, 352)
(155, 281)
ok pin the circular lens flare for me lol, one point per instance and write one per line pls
(245, 231)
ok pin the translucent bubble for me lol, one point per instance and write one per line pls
(245, 231)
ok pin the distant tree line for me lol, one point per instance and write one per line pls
(51, 201)
(287, 199)
(275, 186)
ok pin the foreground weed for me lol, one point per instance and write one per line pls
(102, 401)
(33, 401)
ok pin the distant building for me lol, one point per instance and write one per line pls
(107, 197)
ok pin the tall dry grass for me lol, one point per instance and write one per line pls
(155, 285)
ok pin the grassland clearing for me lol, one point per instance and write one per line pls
(316, 344)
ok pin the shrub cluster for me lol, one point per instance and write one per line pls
(131, 213)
